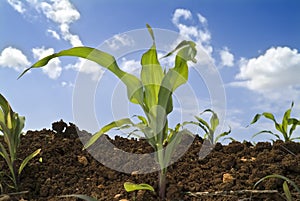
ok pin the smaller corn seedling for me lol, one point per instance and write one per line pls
(210, 129)
(11, 125)
(285, 186)
(286, 127)
(129, 187)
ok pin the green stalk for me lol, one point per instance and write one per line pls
(162, 183)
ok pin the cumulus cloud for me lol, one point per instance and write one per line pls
(198, 32)
(275, 74)
(17, 5)
(13, 58)
(186, 14)
(61, 12)
(227, 58)
(87, 67)
(73, 39)
(120, 40)
(129, 65)
(53, 68)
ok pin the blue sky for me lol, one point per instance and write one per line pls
(254, 45)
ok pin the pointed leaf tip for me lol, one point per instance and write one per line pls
(151, 32)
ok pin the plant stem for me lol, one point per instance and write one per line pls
(162, 184)
(15, 175)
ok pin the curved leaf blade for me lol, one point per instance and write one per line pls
(133, 84)
(151, 74)
(106, 128)
(129, 187)
(27, 159)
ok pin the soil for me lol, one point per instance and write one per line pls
(228, 172)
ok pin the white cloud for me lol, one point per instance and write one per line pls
(54, 34)
(17, 5)
(61, 12)
(227, 58)
(198, 32)
(274, 74)
(120, 40)
(53, 68)
(186, 14)
(72, 38)
(129, 65)
(87, 67)
(14, 58)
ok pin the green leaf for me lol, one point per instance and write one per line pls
(255, 119)
(143, 119)
(114, 124)
(150, 31)
(214, 122)
(27, 159)
(172, 80)
(129, 187)
(179, 74)
(287, 191)
(151, 74)
(172, 144)
(285, 118)
(271, 117)
(4, 105)
(203, 124)
(179, 46)
(222, 135)
(268, 132)
(83, 197)
(133, 84)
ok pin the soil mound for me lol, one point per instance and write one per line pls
(228, 172)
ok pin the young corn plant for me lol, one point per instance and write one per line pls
(11, 125)
(286, 127)
(130, 187)
(285, 186)
(210, 129)
(152, 92)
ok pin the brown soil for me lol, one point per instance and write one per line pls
(232, 169)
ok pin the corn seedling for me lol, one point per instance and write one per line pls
(11, 125)
(210, 129)
(285, 186)
(286, 127)
(129, 187)
(152, 92)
